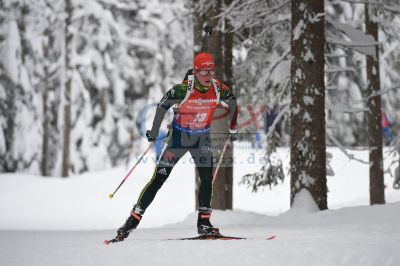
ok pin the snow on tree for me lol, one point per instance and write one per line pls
(48, 72)
(261, 70)
(348, 82)
(19, 99)
(345, 61)
(123, 56)
(347, 45)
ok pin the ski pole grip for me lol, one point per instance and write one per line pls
(208, 29)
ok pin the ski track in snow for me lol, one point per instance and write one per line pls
(349, 236)
(147, 247)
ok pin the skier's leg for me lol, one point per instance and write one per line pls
(169, 158)
(203, 158)
(204, 166)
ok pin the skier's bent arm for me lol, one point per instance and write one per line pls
(173, 96)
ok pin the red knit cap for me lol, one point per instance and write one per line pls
(203, 60)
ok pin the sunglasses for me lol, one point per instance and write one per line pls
(207, 72)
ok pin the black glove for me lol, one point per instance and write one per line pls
(233, 135)
(149, 136)
(189, 72)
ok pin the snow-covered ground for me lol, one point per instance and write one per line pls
(55, 221)
(349, 236)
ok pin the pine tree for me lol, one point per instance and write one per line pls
(19, 95)
(48, 83)
(118, 55)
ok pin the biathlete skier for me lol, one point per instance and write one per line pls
(197, 99)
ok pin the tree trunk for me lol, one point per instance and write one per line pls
(222, 189)
(228, 47)
(67, 92)
(376, 185)
(308, 150)
(45, 144)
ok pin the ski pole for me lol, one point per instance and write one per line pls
(111, 195)
(208, 29)
(220, 159)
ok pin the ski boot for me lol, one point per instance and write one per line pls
(130, 224)
(204, 227)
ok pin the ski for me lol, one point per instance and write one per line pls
(210, 237)
(218, 237)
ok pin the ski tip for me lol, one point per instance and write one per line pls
(110, 196)
(271, 237)
(106, 242)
